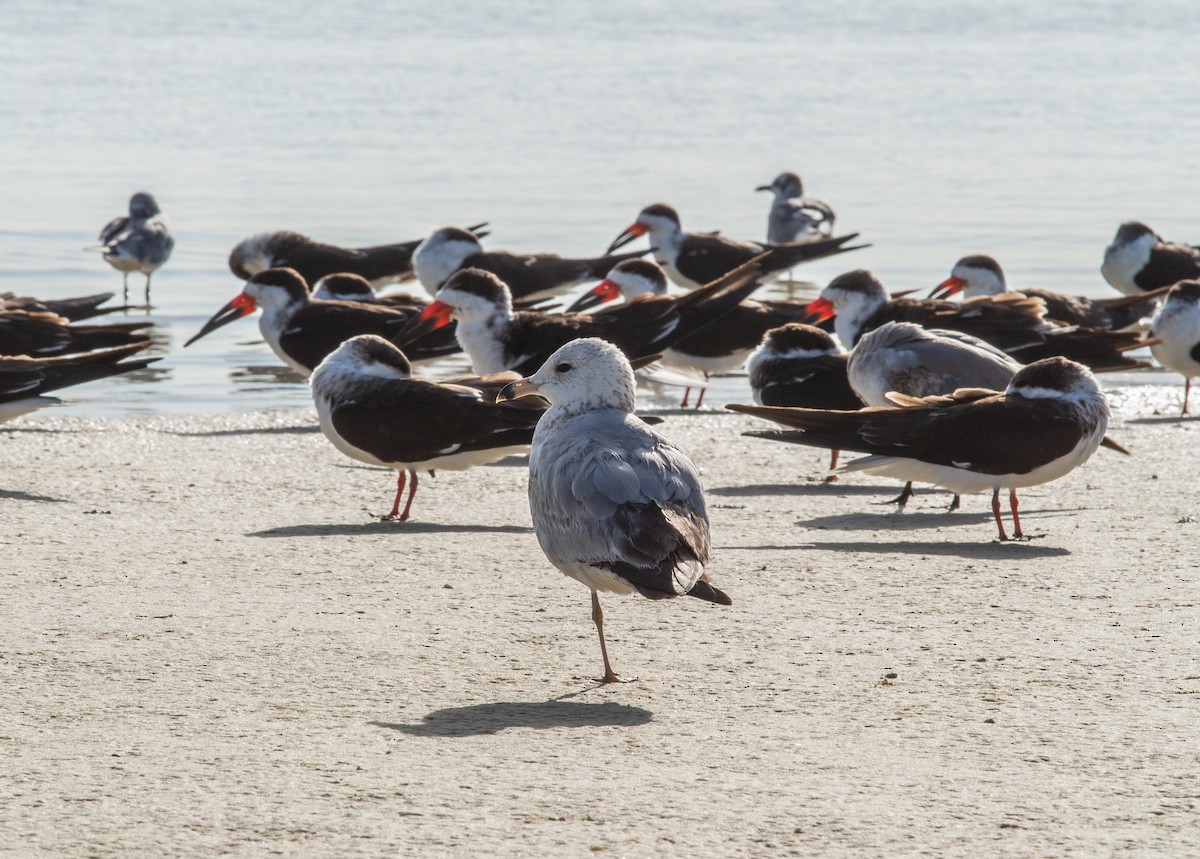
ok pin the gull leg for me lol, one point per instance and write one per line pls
(996, 513)
(412, 490)
(125, 288)
(703, 391)
(401, 478)
(1012, 503)
(955, 503)
(610, 676)
(901, 500)
(687, 392)
(1187, 390)
(147, 292)
(833, 458)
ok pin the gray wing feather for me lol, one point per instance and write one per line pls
(606, 489)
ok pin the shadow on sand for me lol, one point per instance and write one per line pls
(818, 488)
(493, 718)
(253, 431)
(384, 527)
(17, 495)
(993, 550)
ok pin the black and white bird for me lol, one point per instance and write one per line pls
(1177, 326)
(1048, 421)
(352, 287)
(43, 335)
(903, 358)
(528, 276)
(694, 259)
(1139, 260)
(615, 505)
(980, 274)
(495, 337)
(140, 241)
(302, 330)
(380, 265)
(794, 216)
(25, 382)
(801, 365)
(715, 349)
(72, 309)
(1012, 322)
(372, 409)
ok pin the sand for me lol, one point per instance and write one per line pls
(209, 648)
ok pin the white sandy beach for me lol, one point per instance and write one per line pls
(209, 648)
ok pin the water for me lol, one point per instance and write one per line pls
(1021, 129)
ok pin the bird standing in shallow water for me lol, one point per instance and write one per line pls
(140, 241)
(615, 505)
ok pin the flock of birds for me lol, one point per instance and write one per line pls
(992, 392)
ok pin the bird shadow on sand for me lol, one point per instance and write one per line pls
(352, 529)
(17, 495)
(250, 431)
(1165, 419)
(993, 550)
(816, 488)
(492, 718)
(912, 520)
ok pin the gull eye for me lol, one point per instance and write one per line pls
(563, 367)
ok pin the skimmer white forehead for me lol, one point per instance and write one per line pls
(441, 254)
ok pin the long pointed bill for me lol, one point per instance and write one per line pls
(819, 310)
(514, 390)
(242, 305)
(602, 292)
(434, 316)
(765, 188)
(632, 232)
(948, 287)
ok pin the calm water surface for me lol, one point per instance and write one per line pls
(1020, 129)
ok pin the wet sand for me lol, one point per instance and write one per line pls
(209, 647)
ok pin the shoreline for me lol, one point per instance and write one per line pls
(209, 646)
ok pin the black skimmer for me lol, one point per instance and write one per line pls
(794, 216)
(353, 287)
(302, 330)
(1012, 322)
(694, 259)
(25, 382)
(1177, 326)
(495, 337)
(528, 276)
(73, 309)
(140, 241)
(716, 349)
(1139, 260)
(43, 335)
(980, 274)
(379, 264)
(373, 410)
(903, 358)
(801, 365)
(615, 505)
(1048, 421)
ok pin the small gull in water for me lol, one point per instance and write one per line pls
(140, 241)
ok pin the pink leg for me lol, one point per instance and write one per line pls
(833, 458)
(687, 392)
(703, 391)
(1187, 390)
(610, 676)
(412, 490)
(1012, 503)
(996, 513)
(400, 478)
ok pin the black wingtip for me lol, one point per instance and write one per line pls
(705, 591)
